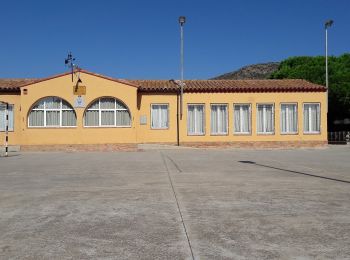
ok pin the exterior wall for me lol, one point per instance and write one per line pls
(14, 136)
(63, 87)
(254, 99)
(148, 135)
(139, 104)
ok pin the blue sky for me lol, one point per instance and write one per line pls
(140, 39)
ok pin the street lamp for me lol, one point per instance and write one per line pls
(327, 25)
(182, 20)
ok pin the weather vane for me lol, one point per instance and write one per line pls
(69, 62)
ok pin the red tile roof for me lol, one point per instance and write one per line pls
(264, 85)
(12, 85)
(267, 85)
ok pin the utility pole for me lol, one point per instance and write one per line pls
(327, 24)
(182, 20)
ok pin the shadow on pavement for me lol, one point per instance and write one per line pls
(302, 173)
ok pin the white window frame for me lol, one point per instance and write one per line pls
(196, 133)
(312, 132)
(227, 120)
(297, 118)
(13, 117)
(167, 109)
(264, 115)
(240, 112)
(100, 110)
(60, 110)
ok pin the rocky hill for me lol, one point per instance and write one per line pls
(256, 71)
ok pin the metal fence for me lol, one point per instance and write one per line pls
(340, 137)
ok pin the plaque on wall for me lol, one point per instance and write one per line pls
(79, 90)
(79, 102)
(143, 120)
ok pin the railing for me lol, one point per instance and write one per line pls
(341, 137)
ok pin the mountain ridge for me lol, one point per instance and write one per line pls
(255, 71)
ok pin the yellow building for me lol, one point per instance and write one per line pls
(88, 108)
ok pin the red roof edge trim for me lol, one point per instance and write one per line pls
(83, 71)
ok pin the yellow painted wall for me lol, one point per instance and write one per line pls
(139, 105)
(63, 87)
(152, 136)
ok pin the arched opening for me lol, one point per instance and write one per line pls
(107, 112)
(52, 112)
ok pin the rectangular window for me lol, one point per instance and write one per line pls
(312, 118)
(289, 119)
(159, 116)
(265, 118)
(218, 123)
(242, 118)
(3, 118)
(195, 119)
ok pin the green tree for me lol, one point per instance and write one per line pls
(313, 70)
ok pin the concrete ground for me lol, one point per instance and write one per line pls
(176, 204)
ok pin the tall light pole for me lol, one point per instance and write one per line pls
(327, 24)
(182, 20)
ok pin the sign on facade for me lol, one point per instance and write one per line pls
(79, 102)
(143, 120)
(79, 90)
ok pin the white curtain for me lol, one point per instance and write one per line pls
(53, 111)
(36, 118)
(107, 118)
(123, 118)
(289, 121)
(311, 117)
(159, 116)
(195, 120)
(52, 118)
(241, 118)
(68, 118)
(92, 118)
(52, 103)
(107, 103)
(113, 113)
(218, 119)
(265, 119)
(3, 118)
(260, 119)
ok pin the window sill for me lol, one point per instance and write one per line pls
(219, 134)
(291, 133)
(166, 128)
(106, 126)
(312, 133)
(50, 127)
(268, 133)
(201, 134)
(239, 134)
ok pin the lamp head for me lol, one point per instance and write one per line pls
(182, 20)
(328, 23)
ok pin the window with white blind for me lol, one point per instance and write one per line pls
(289, 119)
(242, 118)
(107, 112)
(52, 112)
(3, 118)
(159, 116)
(312, 118)
(265, 118)
(219, 119)
(195, 119)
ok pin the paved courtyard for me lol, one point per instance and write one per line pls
(176, 204)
